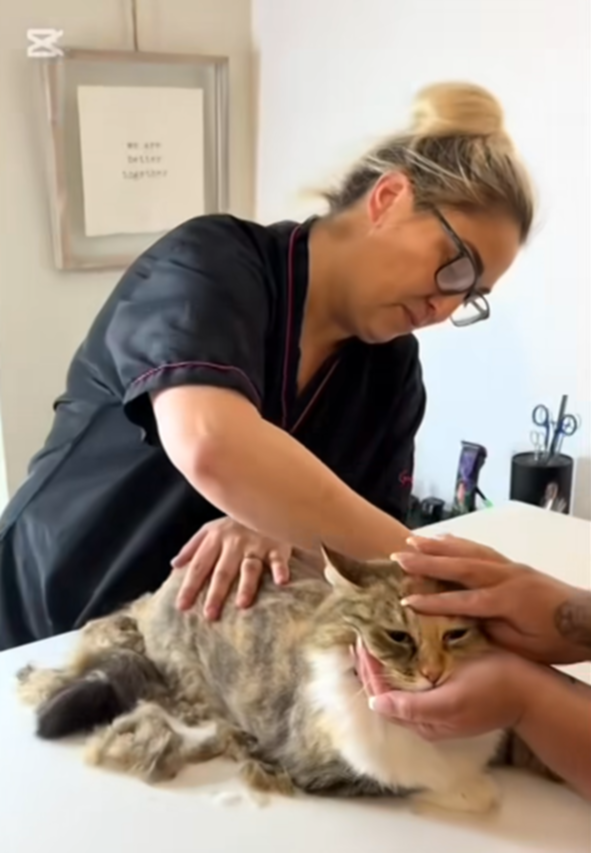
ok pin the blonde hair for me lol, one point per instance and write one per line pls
(456, 153)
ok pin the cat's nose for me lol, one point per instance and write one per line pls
(432, 673)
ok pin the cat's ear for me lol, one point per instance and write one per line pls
(343, 572)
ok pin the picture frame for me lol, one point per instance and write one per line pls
(73, 249)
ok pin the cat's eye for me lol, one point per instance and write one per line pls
(457, 634)
(400, 637)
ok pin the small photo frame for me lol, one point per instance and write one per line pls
(137, 144)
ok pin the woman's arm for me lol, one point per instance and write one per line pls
(263, 478)
(556, 725)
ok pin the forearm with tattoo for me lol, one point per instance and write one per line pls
(573, 620)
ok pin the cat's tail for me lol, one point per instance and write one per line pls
(111, 685)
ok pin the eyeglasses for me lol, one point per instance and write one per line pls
(461, 275)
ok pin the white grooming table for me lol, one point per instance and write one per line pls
(50, 801)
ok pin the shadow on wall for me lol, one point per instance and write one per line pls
(582, 488)
(3, 475)
(255, 70)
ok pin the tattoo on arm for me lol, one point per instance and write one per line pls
(573, 619)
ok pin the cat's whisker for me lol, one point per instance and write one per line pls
(352, 700)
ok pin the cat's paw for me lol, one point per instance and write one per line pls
(266, 778)
(36, 686)
(479, 795)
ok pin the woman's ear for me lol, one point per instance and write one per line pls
(390, 190)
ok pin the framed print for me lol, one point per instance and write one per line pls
(137, 144)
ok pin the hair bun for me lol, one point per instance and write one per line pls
(456, 109)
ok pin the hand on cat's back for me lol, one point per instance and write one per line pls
(222, 551)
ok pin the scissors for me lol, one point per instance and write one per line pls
(554, 431)
(538, 440)
(541, 418)
(569, 425)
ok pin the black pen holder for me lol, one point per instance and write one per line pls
(541, 481)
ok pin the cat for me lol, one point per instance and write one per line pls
(273, 687)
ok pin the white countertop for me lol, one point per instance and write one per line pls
(50, 801)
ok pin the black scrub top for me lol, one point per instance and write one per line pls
(218, 301)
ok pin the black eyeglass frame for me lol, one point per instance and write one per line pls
(473, 296)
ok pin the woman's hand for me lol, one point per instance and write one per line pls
(483, 695)
(496, 691)
(526, 612)
(224, 549)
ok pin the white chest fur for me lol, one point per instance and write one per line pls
(389, 753)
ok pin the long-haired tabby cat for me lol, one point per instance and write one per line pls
(273, 687)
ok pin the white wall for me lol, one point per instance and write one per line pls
(44, 314)
(333, 74)
(3, 477)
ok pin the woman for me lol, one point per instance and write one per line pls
(533, 619)
(266, 374)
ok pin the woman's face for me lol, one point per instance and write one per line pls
(390, 270)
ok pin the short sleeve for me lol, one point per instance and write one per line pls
(392, 489)
(196, 314)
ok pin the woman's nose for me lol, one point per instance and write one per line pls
(443, 306)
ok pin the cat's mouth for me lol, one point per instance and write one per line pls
(354, 670)
(368, 671)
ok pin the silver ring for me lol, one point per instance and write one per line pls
(252, 557)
